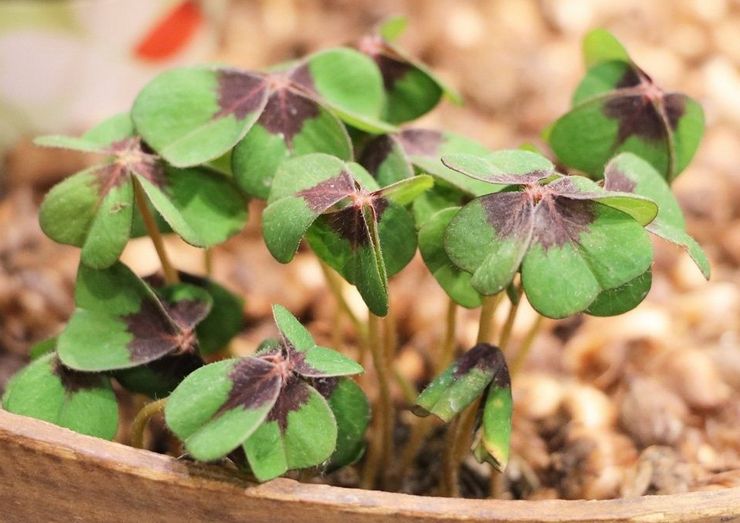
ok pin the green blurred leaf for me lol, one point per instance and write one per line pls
(599, 45)
(80, 401)
(455, 282)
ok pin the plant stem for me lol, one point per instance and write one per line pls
(509, 323)
(485, 324)
(335, 287)
(447, 350)
(208, 261)
(138, 426)
(520, 357)
(381, 448)
(170, 274)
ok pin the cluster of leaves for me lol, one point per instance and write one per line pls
(317, 138)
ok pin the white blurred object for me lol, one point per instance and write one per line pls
(66, 65)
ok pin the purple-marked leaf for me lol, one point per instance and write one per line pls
(351, 225)
(631, 174)
(555, 225)
(349, 83)
(492, 444)
(302, 190)
(193, 115)
(351, 410)
(425, 148)
(300, 353)
(300, 431)
(599, 45)
(461, 383)
(80, 401)
(386, 160)
(619, 108)
(293, 123)
(120, 322)
(624, 298)
(454, 281)
(217, 407)
(159, 378)
(506, 167)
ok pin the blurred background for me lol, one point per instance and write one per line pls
(66, 64)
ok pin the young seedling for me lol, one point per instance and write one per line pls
(357, 228)
(49, 391)
(94, 209)
(268, 405)
(618, 108)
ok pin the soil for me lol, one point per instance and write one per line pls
(605, 407)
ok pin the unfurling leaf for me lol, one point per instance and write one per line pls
(121, 322)
(492, 444)
(353, 225)
(619, 108)
(567, 235)
(461, 383)
(49, 391)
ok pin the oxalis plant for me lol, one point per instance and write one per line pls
(318, 139)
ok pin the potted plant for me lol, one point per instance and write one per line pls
(319, 140)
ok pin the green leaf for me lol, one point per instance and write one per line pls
(599, 45)
(455, 282)
(42, 348)
(461, 383)
(193, 115)
(46, 390)
(351, 410)
(217, 407)
(440, 197)
(552, 225)
(493, 442)
(202, 206)
(618, 108)
(406, 191)
(385, 159)
(300, 432)
(505, 167)
(624, 298)
(303, 188)
(392, 27)
(348, 222)
(308, 359)
(120, 322)
(629, 173)
(425, 149)
(292, 124)
(68, 142)
(349, 83)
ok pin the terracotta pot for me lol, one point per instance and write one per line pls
(52, 474)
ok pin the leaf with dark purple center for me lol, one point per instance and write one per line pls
(94, 209)
(300, 431)
(631, 174)
(461, 383)
(349, 83)
(545, 225)
(385, 159)
(80, 401)
(159, 378)
(351, 410)
(619, 108)
(193, 115)
(217, 407)
(120, 322)
(360, 230)
(292, 123)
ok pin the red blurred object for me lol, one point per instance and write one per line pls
(171, 33)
